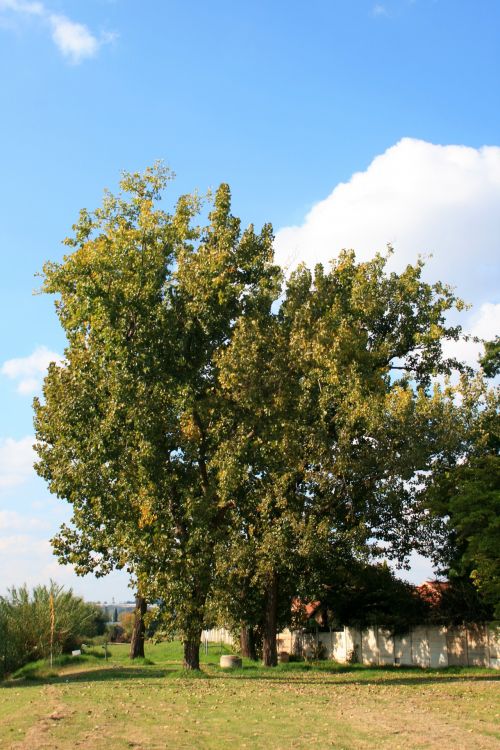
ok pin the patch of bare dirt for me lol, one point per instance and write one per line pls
(38, 735)
(419, 721)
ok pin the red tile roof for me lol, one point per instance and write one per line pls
(432, 591)
(308, 609)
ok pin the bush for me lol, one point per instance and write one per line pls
(115, 633)
(25, 624)
(316, 652)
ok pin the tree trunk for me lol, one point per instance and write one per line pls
(269, 650)
(247, 642)
(137, 641)
(192, 652)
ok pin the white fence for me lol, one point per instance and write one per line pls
(434, 646)
(421, 647)
(217, 635)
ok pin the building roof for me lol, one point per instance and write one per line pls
(432, 591)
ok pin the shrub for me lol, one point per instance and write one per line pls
(25, 624)
(114, 633)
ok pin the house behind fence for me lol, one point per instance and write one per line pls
(433, 646)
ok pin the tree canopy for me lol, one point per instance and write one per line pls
(215, 426)
(130, 420)
(464, 494)
(338, 423)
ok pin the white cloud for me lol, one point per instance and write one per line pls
(29, 370)
(11, 519)
(421, 198)
(21, 542)
(28, 386)
(483, 324)
(16, 460)
(379, 10)
(74, 40)
(487, 324)
(19, 6)
(27, 559)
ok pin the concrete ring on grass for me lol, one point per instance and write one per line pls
(228, 661)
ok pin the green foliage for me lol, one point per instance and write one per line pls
(114, 633)
(215, 432)
(337, 425)
(133, 419)
(464, 495)
(25, 624)
(475, 517)
(490, 361)
(461, 603)
(363, 595)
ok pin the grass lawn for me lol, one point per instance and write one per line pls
(87, 702)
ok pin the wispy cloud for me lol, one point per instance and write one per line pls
(379, 10)
(27, 558)
(12, 520)
(392, 8)
(75, 41)
(16, 460)
(28, 371)
(23, 542)
(22, 6)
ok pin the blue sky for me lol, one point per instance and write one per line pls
(348, 122)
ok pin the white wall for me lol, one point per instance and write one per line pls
(422, 647)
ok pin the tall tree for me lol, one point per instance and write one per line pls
(130, 420)
(463, 494)
(336, 421)
(139, 629)
(198, 410)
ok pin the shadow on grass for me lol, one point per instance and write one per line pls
(293, 674)
(304, 673)
(369, 681)
(106, 674)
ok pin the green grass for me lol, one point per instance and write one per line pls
(87, 701)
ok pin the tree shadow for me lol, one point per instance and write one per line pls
(369, 681)
(297, 675)
(110, 674)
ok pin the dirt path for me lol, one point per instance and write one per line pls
(38, 735)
